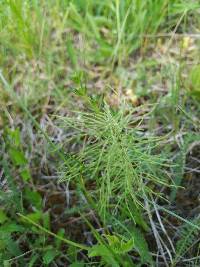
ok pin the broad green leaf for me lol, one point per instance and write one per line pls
(12, 246)
(3, 216)
(104, 253)
(136, 213)
(61, 233)
(46, 220)
(127, 246)
(3, 240)
(25, 174)
(49, 256)
(141, 245)
(11, 228)
(77, 264)
(17, 157)
(35, 216)
(14, 135)
(34, 198)
(194, 81)
(6, 263)
(33, 260)
(195, 77)
(119, 245)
